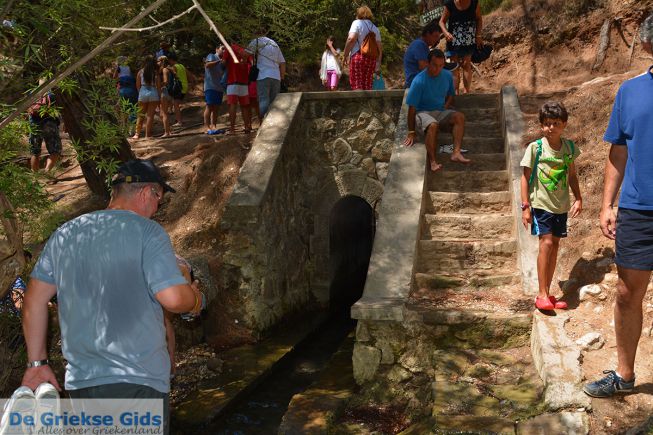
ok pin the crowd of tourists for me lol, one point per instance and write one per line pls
(138, 263)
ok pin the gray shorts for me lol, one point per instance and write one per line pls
(148, 94)
(424, 119)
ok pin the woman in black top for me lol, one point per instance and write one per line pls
(461, 24)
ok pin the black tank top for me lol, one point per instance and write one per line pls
(461, 24)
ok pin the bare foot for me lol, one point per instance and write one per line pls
(166, 135)
(136, 136)
(458, 157)
(435, 166)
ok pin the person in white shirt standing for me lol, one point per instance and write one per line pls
(271, 70)
(362, 67)
(330, 71)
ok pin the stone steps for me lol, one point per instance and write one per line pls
(488, 127)
(490, 226)
(436, 256)
(475, 144)
(468, 202)
(475, 279)
(480, 162)
(472, 181)
(476, 100)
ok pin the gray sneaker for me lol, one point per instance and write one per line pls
(449, 149)
(609, 385)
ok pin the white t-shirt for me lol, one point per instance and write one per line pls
(362, 28)
(268, 57)
(331, 61)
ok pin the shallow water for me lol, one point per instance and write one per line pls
(261, 411)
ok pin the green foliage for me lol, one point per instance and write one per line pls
(488, 6)
(106, 131)
(576, 8)
(20, 185)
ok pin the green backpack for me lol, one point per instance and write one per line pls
(538, 153)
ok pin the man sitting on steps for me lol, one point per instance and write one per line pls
(430, 99)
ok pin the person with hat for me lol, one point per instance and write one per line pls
(114, 272)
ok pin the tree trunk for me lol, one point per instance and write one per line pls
(12, 259)
(73, 112)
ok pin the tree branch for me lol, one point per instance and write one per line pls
(97, 50)
(215, 29)
(142, 29)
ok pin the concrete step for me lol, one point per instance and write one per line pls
(476, 144)
(486, 127)
(476, 100)
(476, 114)
(436, 256)
(468, 202)
(432, 281)
(472, 181)
(480, 162)
(487, 226)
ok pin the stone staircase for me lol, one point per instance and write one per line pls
(467, 237)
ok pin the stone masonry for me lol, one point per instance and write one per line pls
(312, 149)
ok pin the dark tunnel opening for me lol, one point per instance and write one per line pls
(352, 225)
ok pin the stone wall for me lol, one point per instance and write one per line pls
(311, 150)
(400, 362)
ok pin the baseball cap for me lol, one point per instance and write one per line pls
(140, 171)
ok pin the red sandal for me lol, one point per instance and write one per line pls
(559, 305)
(544, 304)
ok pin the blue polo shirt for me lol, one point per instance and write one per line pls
(631, 124)
(416, 51)
(428, 93)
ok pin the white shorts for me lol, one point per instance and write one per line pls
(440, 117)
(238, 90)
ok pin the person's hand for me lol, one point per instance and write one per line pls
(479, 41)
(410, 139)
(329, 43)
(345, 60)
(448, 36)
(608, 223)
(526, 217)
(35, 376)
(576, 208)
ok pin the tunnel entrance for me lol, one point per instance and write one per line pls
(352, 225)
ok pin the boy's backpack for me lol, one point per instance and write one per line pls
(370, 48)
(174, 85)
(538, 153)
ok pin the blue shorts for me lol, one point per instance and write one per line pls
(634, 241)
(545, 222)
(213, 97)
(148, 94)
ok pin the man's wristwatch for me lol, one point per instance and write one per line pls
(525, 205)
(39, 363)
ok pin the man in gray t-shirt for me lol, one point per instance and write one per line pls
(113, 271)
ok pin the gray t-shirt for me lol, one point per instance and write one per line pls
(107, 266)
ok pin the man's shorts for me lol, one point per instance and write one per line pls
(238, 94)
(213, 97)
(180, 97)
(545, 222)
(47, 131)
(634, 241)
(148, 94)
(424, 119)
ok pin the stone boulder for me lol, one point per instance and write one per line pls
(339, 151)
(382, 151)
(590, 290)
(366, 360)
(591, 341)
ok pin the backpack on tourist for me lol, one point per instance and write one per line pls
(370, 48)
(174, 85)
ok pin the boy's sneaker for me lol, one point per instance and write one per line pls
(609, 385)
(47, 400)
(22, 402)
(449, 149)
